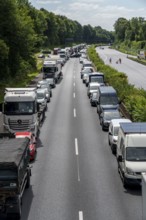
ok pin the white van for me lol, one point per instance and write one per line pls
(131, 152)
(113, 132)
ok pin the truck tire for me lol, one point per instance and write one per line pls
(28, 180)
(16, 215)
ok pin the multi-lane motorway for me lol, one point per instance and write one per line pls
(75, 175)
(136, 72)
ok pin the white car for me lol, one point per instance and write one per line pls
(42, 97)
(113, 132)
(92, 87)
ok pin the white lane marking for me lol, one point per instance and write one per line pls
(74, 95)
(77, 154)
(75, 115)
(80, 215)
(74, 84)
(76, 146)
(74, 76)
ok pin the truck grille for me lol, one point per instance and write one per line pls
(19, 125)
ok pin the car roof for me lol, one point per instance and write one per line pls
(116, 122)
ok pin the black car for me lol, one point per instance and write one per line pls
(107, 115)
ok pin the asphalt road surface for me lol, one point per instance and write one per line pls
(136, 72)
(75, 175)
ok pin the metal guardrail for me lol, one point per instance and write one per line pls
(124, 111)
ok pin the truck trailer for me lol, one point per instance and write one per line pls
(15, 174)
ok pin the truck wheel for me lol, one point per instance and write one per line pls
(16, 215)
(28, 180)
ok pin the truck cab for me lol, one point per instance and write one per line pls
(20, 110)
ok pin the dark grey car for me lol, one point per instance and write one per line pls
(106, 116)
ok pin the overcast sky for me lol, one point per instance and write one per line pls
(102, 13)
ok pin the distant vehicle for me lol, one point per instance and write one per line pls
(82, 57)
(45, 84)
(131, 152)
(95, 77)
(86, 63)
(51, 69)
(51, 81)
(41, 56)
(76, 54)
(32, 142)
(42, 97)
(107, 115)
(93, 99)
(85, 77)
(92, 87)
(86, 70)
(113, 132)
(141, 54)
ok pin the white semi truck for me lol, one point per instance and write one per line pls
(52, 68)
(20, 112)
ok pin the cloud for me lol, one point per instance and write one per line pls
(102, 13)
(48, 2)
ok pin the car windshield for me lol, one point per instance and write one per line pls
(8, 174)
(93, 87)
(111, 115)
(87, 70)
(108, 100)
(16, 108)
(136, 153)
(49, 69)
(87, 65)
(116, 130)
(40, 95)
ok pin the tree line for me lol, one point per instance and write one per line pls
(24, 30)
(131, 33)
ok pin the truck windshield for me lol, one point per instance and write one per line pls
(136, 153)
(49, 69)
(108, 100)
(19, 108)
(8, 174)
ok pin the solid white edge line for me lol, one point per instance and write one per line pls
(75, 113)
(80, 215)
(76, 146)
